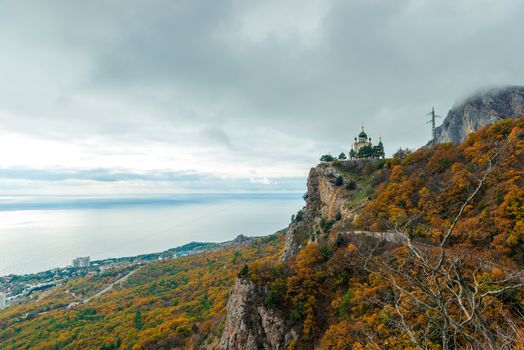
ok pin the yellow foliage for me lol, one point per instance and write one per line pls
(175, 298)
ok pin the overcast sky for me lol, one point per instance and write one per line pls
(143, 96)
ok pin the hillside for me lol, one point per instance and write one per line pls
(417, 253)
(424, 252)
(425, 191)
(174, 303)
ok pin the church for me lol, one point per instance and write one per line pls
(363, 148)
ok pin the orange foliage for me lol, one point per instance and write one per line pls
(426, 190)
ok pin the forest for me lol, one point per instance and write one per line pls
(174, 303)
(455, 282)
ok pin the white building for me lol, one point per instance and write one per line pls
(362, 141)
(363, 148)
(81, 262)
(3, 303)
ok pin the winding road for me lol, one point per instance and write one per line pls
(109, 287)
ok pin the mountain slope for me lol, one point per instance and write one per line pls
(480, 110)
(425, 191)
(366, 264)
(169, 304)
(341, 285)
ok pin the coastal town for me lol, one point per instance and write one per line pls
(20, 289)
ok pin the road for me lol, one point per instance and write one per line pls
(96, 295)
(109, 287)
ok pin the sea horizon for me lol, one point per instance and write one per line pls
(17, 202)
(40, 233)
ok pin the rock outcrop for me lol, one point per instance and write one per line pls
(324, 199)
(319, 199)
(479, 111)
(250, 324)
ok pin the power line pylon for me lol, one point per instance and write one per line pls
(433, 128)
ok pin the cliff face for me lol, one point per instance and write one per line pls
(479, 111)
(250, 324)
(325, 199)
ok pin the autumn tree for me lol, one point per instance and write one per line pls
(402, 153)
(445, 298)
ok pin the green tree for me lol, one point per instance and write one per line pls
(344, 307)
(378, 151)
(365, 152)
(236, 255)
(138, 320)
(183, 330)
(402, 153)
(342, 156)
(351, 185)
(327, 158)
(299, 216)
(244, 272)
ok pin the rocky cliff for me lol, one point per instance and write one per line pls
(326, 200)
(339, 291)
(479, 111)
(336, 191)
(250, 324)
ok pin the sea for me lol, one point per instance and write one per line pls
(41, 233)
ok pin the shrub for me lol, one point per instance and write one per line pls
(138, 320)
(327, 158)
(351, 185)
(325, 250)
(326, 225)
(236, 255)
(402, 153)
(299, 216)
(344, 307)
(297, 312)
(340, 241)
(244, 272)
(276, 292)
(183, 330)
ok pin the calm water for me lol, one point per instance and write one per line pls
(37, 234)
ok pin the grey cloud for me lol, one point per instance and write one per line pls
(154, 70)
(101, 174)
(216, 135)
(168, 180)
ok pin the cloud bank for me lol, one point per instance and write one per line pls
(235, 89)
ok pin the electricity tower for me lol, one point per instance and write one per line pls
(433, 129)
